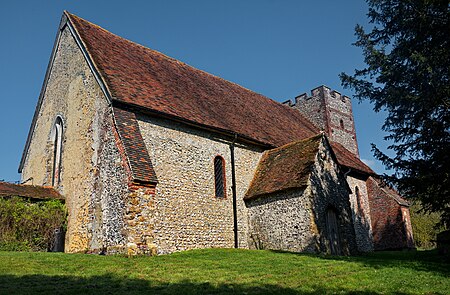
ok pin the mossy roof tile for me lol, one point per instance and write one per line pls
(283, 168)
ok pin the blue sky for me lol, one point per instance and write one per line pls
(277, 48)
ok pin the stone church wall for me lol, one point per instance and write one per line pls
(295, 220)
(91, 178)
(361, 214)
(187, 214)
(282, 221)
(329, 191)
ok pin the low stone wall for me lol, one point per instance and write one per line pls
(140, 220)
(282, 221)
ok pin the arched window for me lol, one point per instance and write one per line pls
(57, 147)
(341, 123)
(219, 177)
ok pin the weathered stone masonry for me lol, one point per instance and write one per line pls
(283, 221)
(330, 191)
(329, 111)
(187, 213)
(92, 174)
(361, 212)
(140, 132)
(296, 219)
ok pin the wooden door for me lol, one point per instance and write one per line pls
(333, 232)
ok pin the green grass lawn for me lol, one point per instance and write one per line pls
(224, 271)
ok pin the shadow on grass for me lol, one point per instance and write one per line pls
(107, 284)
(428, 261)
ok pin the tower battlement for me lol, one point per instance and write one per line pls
(331, 112)
(316, 92)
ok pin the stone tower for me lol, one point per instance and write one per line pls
(331, 112)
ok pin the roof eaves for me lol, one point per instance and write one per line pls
(228, 133)
(29, 191)
(262, 194)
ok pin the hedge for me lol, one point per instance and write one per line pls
(29, 225)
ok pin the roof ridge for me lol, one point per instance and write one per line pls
(172, 59)
(292, 143)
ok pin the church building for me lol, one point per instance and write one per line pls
(153, 156)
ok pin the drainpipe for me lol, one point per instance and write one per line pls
(233, 189)
(346, 173)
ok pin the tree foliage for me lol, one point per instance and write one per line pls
(407, 56)
(424, 226)
(29, 226)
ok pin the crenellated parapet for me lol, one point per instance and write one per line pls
(331, 112)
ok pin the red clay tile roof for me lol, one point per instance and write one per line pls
(283, 168)
(377, 186)
(32, 191)
(140, 76)
(135, 149)
(348, 159)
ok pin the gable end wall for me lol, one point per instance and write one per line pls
(93, 178)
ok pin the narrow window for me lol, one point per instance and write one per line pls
(359, 201)
(341, 123)
(219, 177)
(57, 146)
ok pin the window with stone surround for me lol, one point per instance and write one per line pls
(57, 148)
(341, 123)
(219, 177)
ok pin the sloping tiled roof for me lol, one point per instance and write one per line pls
(141, 76)
(348, 159)
(283, 168)
(31, 191)
(377, 186)
(135, 149)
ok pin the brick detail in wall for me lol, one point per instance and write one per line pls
(390, 220)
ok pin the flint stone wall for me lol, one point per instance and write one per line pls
(361, 214)
(329, 190)
(282, 221)
(295, 220)
(91, 176)
(187, 214)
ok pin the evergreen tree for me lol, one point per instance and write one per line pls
(407, 56)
